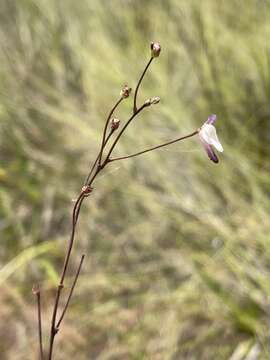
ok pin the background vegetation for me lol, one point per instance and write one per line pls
(178, 249)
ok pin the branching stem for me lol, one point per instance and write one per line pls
(121, 133)
(105, 130)
(96, 168)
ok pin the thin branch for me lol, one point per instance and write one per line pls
(138, 85)
(74, 217)
(154, 147)
(71, 292)
(98, 157)
(121, 133)
(36, 291)
(105, 129)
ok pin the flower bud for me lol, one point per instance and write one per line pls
(155, 49)
(155, 100)
(152, 101)
(125, 92)
(115, 123)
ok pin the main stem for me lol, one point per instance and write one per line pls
(75, 214)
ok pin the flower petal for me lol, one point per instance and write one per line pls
(211, 119)
(209, 135)
(210, 152)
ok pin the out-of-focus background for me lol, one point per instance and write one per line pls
(178, 249)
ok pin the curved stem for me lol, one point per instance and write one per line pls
(98, 157)
(121, 133)
(138, 85)
(105, 130)
(154, 147)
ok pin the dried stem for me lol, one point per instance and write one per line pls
(155, 147)
(138, 85)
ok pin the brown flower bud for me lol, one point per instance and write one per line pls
(155, 49)
(115, 123)
(125, 92)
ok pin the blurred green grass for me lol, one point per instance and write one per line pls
(177, 248)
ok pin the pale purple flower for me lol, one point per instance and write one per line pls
(209, 138)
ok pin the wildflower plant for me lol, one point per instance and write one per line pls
(112, 130)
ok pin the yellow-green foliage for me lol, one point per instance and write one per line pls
(178, 249)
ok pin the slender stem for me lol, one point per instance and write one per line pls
(70, 293)
(104, 141)
(39, 325)
(154, 147)
(75, 215)
(138, 85)
(121, 133)
(98, 157)
(105, 130)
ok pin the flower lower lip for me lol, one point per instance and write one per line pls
(211, 154)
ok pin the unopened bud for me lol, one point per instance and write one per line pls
(155, 49)
(152, 101)
(35, 289)
(125, 92)
(155, 100)
(115, 124)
